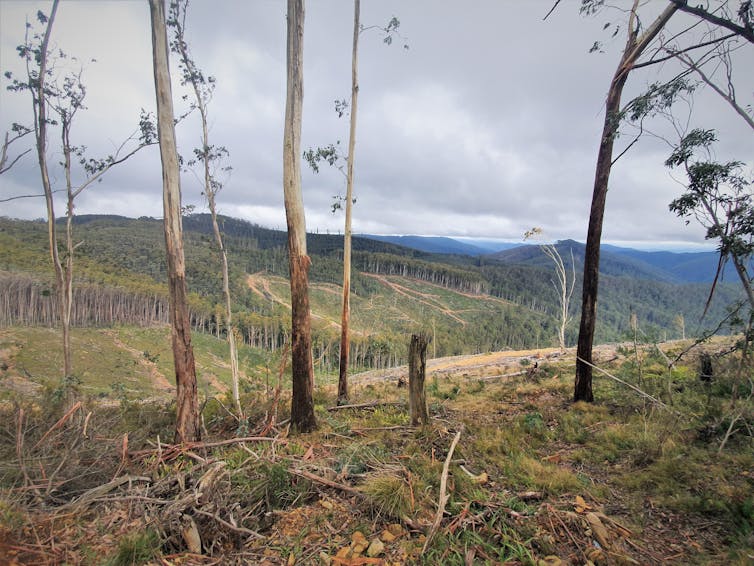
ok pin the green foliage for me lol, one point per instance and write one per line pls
(136, 548)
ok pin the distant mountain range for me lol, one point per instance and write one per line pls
(664, 266)
(444, 245)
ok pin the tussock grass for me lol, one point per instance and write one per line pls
(390, 495)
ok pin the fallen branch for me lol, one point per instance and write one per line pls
(58, 424)
(329, 483)
(552, 511)
(514, 374)
(190, 446)
(375, 428)
(367, 405)
(639, 391)
(231, 526)
(97, 492)
(443, 492)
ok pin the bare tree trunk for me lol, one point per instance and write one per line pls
(40, 130)
(202, 93)
(635, 46)
(187, 418)
(345, 344)
(302, 402)
(67, 294)
(226, 293)
(417, 371)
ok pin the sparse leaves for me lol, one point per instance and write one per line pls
(389, 32)
(720, 197)
(591, 7)
(330, 154)
(341, 107)
(658, 98)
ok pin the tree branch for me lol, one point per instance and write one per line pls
(744, 32)
(675, 54)
(4, 152)
(443, 491)
(726, 96)
(547, 15)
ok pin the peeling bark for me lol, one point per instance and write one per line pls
(187, 417)
(302, 402)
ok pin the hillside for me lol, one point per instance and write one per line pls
(470, 304)
(530, 478)
(657, 471)
(666, 267)
(431, 244)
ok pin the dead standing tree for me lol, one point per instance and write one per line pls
(564, 287)
(302, 402)
(187, 417)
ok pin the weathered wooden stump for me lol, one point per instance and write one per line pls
(417, 370)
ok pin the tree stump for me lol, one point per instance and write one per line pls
(417, 369)
(705, 367)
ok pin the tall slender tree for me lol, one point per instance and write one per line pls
(302, 402)
(187, 417)
(636, 43)
(345, 342)
(209, 157)
(565, 285)
(37, 81)
(331, 155)
(58, 95)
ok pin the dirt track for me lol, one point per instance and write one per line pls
(481, 366)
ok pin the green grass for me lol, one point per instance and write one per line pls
(118, 362)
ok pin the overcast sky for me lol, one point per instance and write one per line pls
(486, 126)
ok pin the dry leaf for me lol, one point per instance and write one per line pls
(598, 530)
(580, 505)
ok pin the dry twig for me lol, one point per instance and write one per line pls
(443, 492)
(370, 405)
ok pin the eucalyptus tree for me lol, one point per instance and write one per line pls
(719, 196)
(187, 417)
(636, 43)
(660, 95)
(210, 157)
(302, 401)
(54, 81)
(331, 155)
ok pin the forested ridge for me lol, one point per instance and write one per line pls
(469, 304)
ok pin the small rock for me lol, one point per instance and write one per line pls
(359, 543)
(376, 547)
(387, 536)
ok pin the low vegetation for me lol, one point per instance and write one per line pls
(535, 479)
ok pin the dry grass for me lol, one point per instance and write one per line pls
(533, 476)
